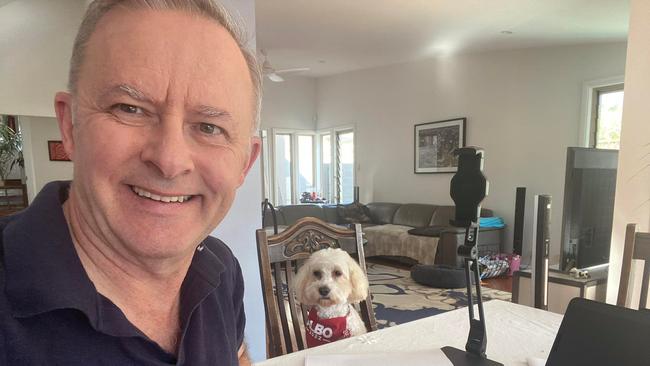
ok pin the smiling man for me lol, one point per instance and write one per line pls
(117, 267)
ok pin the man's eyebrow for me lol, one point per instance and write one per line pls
(132, 92)
(208, 111)
(129, 90)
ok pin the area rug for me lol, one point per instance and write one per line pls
(398, 299)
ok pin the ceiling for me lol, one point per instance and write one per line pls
(335, 36)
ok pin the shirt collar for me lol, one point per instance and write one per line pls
(43, 271)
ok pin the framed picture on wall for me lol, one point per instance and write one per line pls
(435, 143)
(56, 151)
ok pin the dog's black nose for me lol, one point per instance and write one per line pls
(323, 290)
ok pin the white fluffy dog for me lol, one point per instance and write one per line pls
(330, 281)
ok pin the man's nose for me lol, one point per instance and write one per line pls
(324, 290)
(167, 148)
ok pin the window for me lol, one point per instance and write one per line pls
(345, 166)
(283, 169)
(325, 182)
(305, 169)
(308, 166)
(607, 114)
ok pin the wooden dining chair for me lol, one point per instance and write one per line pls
(637, 246)
(279, 258)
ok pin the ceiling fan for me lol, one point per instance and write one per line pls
(273, 74)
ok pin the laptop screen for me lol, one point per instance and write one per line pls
(594, 333)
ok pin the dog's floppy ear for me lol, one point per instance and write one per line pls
(359, 282)
(300, 281)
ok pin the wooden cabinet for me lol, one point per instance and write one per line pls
(13, 197)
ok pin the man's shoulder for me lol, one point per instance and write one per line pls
(221, 251)
(216, 263)
(5, 221)
(217, 246)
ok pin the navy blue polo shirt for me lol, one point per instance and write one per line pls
(51, 313)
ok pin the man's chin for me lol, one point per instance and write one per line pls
(159, 244)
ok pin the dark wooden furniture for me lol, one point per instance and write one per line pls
(279, 258)
(637, 246)
(13, 197)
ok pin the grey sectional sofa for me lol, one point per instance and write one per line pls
(387, 229)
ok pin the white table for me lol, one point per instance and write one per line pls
(514, 332)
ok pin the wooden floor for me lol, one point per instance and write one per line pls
(502, 283)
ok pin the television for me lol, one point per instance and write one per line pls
(589, 188)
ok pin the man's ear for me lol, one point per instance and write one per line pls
(63, 109)
(256, 147)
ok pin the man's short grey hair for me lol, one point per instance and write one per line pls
(207, 8)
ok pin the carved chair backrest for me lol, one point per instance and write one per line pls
(637, 246)
(279, 258)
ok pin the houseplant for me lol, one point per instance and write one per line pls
(10, 150)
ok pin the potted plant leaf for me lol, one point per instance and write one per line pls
(10, 150)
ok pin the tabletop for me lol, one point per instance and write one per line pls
(514, 332)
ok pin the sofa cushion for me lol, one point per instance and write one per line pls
(394, 240)
(428, 230)
(414, 215)
(293, 213)
(331, 214)
(354, 213)
(382, 212)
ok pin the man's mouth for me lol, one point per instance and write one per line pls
(160, 198)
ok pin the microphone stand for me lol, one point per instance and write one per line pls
(474, 354)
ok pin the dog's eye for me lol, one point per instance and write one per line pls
(337, 273)
(317, 274)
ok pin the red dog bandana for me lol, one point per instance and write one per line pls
(322, 331)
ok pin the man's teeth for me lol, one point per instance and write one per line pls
(142, 193)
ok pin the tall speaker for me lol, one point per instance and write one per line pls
(541, 235)
(520, 209)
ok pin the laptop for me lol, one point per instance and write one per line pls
(594, 333)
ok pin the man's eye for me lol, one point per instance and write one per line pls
(127, 108)
(210, 129)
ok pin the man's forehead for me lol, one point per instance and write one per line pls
(148, 53)
(162, 28)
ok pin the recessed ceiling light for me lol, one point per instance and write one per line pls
(506, 32)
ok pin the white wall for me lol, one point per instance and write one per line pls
(632, 202)
(36, 39)
(290, 104)
(38, 167)
(523, 107)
